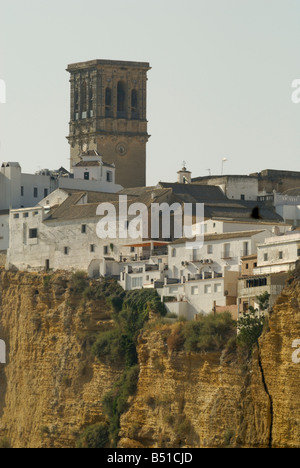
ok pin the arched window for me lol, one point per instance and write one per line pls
(134, 104)
(83, 100)
(108, 101)
(121, 100)
(76, 104)
(91, 98)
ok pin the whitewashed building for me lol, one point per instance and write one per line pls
(207, 277)
(275, 258)
(19, 190)
(222, 226)
(287, 205)
(278, 254)
(61, 234)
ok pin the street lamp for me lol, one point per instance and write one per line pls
(223, 160)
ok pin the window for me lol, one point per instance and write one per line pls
(105, 250)
(265, 257)
(83, 229)
(226, 251)
(76, 104)
(209, 249)
(254, 283)
(137, 282)
(173, 253)
(194, 290)
(242, 197)
(16, 216)
(298, 252)
(92, 248)
(245, 248)
(33, 233)
(132, 249)
(66, 250)
(247, 266)
(121, 98)
(22, 191)
(25, 215)
(45, 192)
(109, 176)
(108, 112)
(207, 289)
(86, 176)
(83, 100)
(91, 98)
(134, 104)
(35, 192)
(280, 255)
(218, 288)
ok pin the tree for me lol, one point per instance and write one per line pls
(250, 327)
(263, 301)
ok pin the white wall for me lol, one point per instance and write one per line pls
(199, 295)
(278, 254)
(89, 185)
(214, 251)
(238, 186)
(4, 232)
(56, 236)
(220, 227)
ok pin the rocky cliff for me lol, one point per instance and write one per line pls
(53, 387)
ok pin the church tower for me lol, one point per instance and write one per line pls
(108, 114)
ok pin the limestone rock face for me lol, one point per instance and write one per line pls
(52, 387)
(193, 400)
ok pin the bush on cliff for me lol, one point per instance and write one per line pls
(129, 318)
(94, 437)
(209, 333)
(250, 327)
(130, 312)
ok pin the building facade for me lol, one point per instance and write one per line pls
(108, 114)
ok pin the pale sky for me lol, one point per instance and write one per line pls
(220, 84)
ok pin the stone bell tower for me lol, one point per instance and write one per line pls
(108, 114)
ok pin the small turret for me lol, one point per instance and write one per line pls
(184, 176)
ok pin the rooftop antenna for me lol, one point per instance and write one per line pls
(209, 172)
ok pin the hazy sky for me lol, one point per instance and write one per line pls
(220, 84)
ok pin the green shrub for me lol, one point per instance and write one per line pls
(250, 327)
(130, 313)
(209, 332)
(108, 346)
(115, 402)
(120, 343)
(228, 436)
(79, 282)
(94, 437)
(46, 281)
(5, 443)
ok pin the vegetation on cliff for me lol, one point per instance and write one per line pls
(117, 347)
